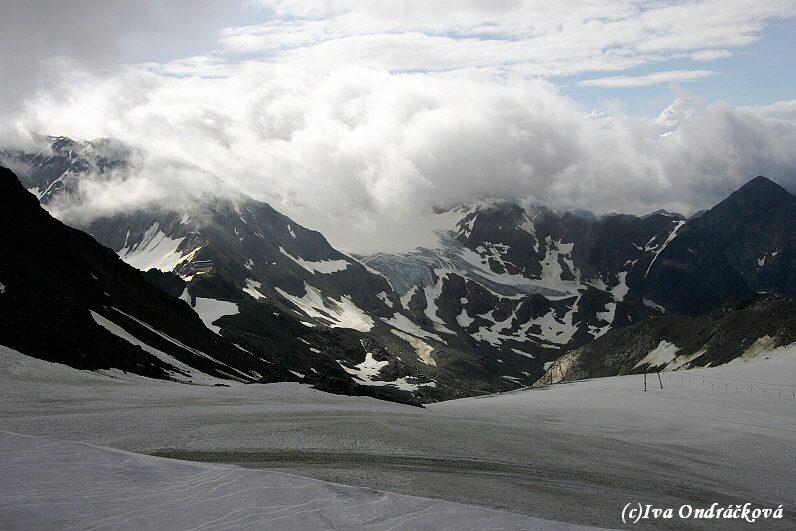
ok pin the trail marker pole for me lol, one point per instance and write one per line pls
(645, 381)
(659, 379)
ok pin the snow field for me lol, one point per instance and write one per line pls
(575, 452)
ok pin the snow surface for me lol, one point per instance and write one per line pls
(156, 249)
(621, 289)
(186, 374)
(557, 252)
(681, 360)
(607, 317)
(252, 288)
(663, 354)
(368, 370)
(554, 330)
(463, 319)
(762, 260)
(51, 483)
(370, 367)
(574, 452)
(660, 249)
(186, 296)
(549, 282)
(382, 295)
(341, 313)
(763, 346)
(406, 298)
(39, 194)
(492, 334)
(325, 267)
(422, 348)
(528, 226)
(401, 322)
(211, 310)
(432, 293)
(521, 353)
(180, 344)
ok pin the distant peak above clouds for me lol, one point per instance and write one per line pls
(680, 109)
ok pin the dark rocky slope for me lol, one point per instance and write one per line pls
(748, 327)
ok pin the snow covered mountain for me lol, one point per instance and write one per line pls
(529, 283)
(259, 266)
(65, 298)
(56, 170)
(509, 288)
(282, 292)
(532, 281)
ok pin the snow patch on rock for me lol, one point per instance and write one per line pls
(422, 348)
(252, 288)
(211, 310)
(401, 322)
(156, 249)
(183, 373)
(660, 249)
(382, 295)
(336, 314)
(663, 354)
(325, 267)
(366, 373)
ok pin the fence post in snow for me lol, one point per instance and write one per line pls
(659, 379)
(645, 381)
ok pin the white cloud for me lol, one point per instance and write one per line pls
(355, 118)
(357, 149)
(710, 55)
(781, 109)
(528, 37)
(669, 76)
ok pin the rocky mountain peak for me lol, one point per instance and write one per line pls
(757, 196)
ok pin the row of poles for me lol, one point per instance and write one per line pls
(737, 386)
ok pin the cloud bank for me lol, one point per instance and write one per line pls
(357, 121)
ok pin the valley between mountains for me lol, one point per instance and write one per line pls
(231, 289)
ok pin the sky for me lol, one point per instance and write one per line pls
(359, 118)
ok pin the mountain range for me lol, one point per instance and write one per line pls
(507, 291)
